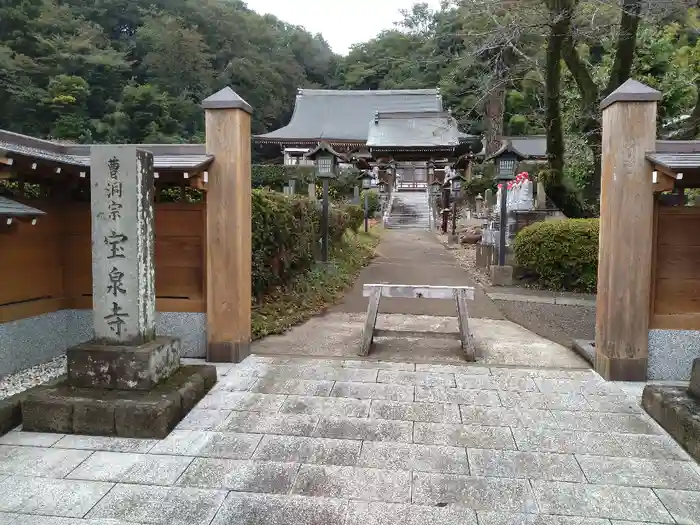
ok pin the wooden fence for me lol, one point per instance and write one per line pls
(675, 293)
(48, 267)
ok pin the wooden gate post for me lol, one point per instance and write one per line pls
(626, 233)
(229, 231)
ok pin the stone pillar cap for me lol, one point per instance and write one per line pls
(631, 91)
(227, 98)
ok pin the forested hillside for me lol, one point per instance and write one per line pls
(136, 70)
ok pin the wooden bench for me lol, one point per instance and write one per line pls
(460, 294)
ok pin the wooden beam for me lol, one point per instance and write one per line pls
(662, 181)
(7, 161)
(229, 229)
(411, 291)
(626, 233)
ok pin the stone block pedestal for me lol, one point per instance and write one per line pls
(95, 365)
(66, 409)
(677, 410)
(695, 379)
(501, 275)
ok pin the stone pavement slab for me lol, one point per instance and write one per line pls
(600, 501)
(51, 497)
(204, 443)
(272, 423)
(258, 509)
(354, 483)
(505, 518)
(141, 469)
(365, 429)
(375, 513)
(530, 465)
(40, 462)
(474, 492)
(431, 412)
(243, 476)
(403, 456)
(656, 473)
(353, 442)
(683, 505)
(440, 394)
(159, 505)
(463, 435)
(308, 450)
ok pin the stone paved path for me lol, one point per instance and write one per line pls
(293, 441)
(416, 257)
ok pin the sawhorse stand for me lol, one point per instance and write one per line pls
(459, 294)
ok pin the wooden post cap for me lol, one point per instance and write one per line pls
(631, 91)
(227, 98)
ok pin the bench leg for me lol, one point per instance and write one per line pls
(463, 318)
(370, 322)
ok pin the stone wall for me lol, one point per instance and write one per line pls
(34, 340)
(671, 354)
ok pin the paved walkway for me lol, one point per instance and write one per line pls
(417, 257)
(287, 441)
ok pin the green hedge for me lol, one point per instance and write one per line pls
(286, 235)
(356, 216)
(276, 176)
(560, 255)
(374, 203)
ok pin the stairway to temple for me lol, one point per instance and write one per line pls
(410, 209)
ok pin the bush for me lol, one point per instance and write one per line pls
(561, 255)
(374, 202)
(286, 235)
(356, 215)
(276, 176)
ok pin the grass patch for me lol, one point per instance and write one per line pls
(312, 292)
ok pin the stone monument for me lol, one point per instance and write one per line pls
(677, 410)
(126, 381)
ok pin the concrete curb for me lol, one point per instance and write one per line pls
(542, 299)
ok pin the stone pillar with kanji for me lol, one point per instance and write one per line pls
(125, 352)
(126, 381)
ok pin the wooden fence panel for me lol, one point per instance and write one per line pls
(676, 291)
(48, 266)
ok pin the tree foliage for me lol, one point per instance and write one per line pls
(137, 70)
(522, 67)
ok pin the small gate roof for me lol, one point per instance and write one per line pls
(10, 208)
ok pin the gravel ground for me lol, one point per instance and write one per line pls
(559, 323)
(466, 257)
(20, 381)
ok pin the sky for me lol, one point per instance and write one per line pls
(341, 22)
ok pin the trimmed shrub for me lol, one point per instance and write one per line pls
(286, 235)
(276, 176)
(374, 203)
(356, 215)
(560, 255)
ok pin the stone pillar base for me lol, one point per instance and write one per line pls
(619, 368)
(227, 352)
(65, 409)
(695, 379)
(122, 367)
(501, 275)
